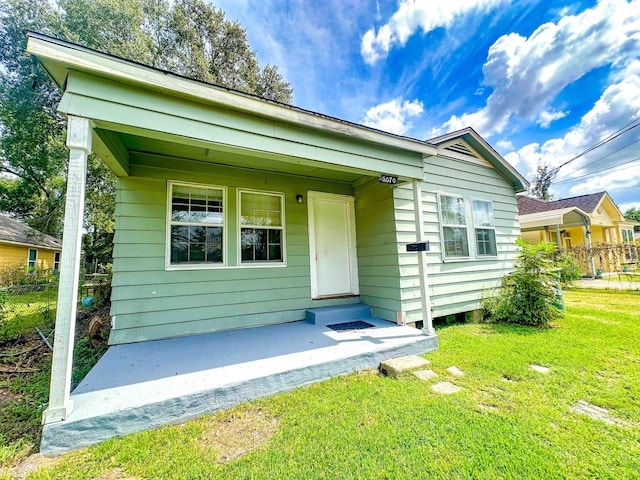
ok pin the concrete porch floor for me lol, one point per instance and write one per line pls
(139, 386)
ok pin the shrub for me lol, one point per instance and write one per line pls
(569, 268)
(528, 294)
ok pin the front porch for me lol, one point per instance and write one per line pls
(139, 386)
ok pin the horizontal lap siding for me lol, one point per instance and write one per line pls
(377, 246)
(149, 302)
(454, 286)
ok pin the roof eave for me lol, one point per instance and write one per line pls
(54, 53)
(469, 135)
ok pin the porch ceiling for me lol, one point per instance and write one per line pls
(151, 152)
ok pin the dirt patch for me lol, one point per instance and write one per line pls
(489, 408)
(116, 474)
(597, 413)
(229, 438)
(31, 464)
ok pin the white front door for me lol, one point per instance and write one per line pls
(332, 245)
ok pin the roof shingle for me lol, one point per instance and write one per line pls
(586, 203)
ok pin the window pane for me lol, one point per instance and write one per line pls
(196, 204)
(482, 214)
(453, 212)
(179, 233)
(32, 255)
(486, 241)
(455, 242)
(260, 209)
(179, 252)
(196, 252)
(214, 253)
(261, 245)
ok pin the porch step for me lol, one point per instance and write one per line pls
(339, 314)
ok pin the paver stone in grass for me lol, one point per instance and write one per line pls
(446, 387)
(539, 368)
(455, 371)
(399, 365)
(425, 374)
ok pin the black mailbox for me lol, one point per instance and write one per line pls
(418, 247)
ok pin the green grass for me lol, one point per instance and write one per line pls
(21, 314)
(507, 422)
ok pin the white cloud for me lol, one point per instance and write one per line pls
(414, 15)
(526, 74)
(628, 206)
(618, 105)
(504, 145)
(548, 116)
(393, 116)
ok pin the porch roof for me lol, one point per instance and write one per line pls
(564, 217)
(142, 114)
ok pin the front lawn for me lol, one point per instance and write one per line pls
(508, 421)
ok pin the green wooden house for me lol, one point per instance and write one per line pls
(233, 211)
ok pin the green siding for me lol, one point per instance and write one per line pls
(150, 302)
(377, 246)
(454, 286)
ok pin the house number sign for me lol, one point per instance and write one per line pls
(388, 179)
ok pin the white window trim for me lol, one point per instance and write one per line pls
(445, 258)
(470, 226)
(225, 227)
(495, 235)
(239, 226)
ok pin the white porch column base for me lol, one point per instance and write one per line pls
(427, 319)
(79, 143)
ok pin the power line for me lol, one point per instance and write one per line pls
(597, 160)
(613, 136)
(613, 169)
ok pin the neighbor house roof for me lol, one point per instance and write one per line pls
(14, 232)
(586, 203)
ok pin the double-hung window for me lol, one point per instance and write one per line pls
(196, 224)
(32, 261)
(484, 226)
(56, 262)
(261, 223)
(454, 226)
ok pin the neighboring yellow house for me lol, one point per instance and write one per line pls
(590, 221)
(22, 245)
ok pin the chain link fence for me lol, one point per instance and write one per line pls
(25, 307)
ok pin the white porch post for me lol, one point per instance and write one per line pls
(427, 320)
(79, 143)
(587, 238)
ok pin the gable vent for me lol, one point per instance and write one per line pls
(460, 147)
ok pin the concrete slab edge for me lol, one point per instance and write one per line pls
(61, 437)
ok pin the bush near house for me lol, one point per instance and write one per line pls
(528, 294)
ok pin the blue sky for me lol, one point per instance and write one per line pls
(541, 80)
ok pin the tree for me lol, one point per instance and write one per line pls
(541, 181)
(633, 214)
(188, 37)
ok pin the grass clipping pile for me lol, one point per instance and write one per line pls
(231, 435)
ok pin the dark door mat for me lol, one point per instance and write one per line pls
(357, 325)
